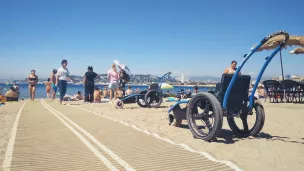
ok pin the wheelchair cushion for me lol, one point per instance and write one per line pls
(238, 96)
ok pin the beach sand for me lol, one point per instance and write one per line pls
(280, 145)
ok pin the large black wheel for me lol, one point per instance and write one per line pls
(153, 99)
(205, 109)
(140, 100)
(240, 123)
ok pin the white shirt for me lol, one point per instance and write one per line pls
(63, 73)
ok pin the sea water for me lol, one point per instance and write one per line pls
(73, 89)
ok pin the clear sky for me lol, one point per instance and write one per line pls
(197, 37)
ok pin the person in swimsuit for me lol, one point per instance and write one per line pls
(97, 95)
(48, 87)
(54, 87)
(32, 80)
(232, 68)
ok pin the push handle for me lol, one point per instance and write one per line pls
(277, 33)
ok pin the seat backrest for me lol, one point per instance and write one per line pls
(154, 86)
(239, 92)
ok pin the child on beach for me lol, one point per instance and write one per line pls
(53, 79)
(78, 96)
(48, 87)
(97, 95)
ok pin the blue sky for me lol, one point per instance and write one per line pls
(199, 38)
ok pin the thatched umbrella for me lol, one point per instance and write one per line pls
(297, 51)
(275, 41)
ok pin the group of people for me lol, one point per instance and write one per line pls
(59, 79)
(116, 86)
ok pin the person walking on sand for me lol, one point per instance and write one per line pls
(32, 80)
(54, 87)
(88, 84)
(62, 78)
(113, 78)
(48, 88)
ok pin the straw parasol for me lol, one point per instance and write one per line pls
(166, 86)
(297, 51)
(275, 41)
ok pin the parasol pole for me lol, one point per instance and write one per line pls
(282, 70)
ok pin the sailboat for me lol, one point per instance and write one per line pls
(183, 79)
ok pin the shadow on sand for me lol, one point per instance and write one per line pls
(227, 137)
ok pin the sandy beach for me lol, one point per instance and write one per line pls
(280, 145)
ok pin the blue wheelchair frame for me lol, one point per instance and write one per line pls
(246, 57)
(159, 81)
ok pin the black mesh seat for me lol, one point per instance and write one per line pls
(153, 86)
(239, 94)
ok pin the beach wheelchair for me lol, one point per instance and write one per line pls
(230, 99)
(152, 98)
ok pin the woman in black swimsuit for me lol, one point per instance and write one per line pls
(32, 80)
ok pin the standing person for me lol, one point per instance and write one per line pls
(113, 78)
(53, 79)
(88, 84)
(32, 80)
(48, 87)
(62, 78)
